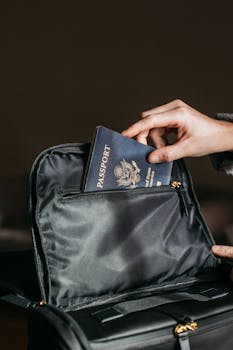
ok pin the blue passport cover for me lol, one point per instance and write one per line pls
(118, 162)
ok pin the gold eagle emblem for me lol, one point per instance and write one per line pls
(127, 174)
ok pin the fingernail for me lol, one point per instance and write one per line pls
(216, 248)
(154, 159)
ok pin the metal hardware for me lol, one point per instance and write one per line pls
(41, 303)
(175, 184)
(181, 328)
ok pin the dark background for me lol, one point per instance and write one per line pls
(69, 66)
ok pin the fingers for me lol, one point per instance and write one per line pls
(168, 119)
(166, 107)
(158, 137)
(142, 137)
(223, 251)
(167, 153)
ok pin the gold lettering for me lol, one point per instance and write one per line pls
(103, 166)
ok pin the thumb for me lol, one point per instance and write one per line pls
(166, 154)
(223, 250)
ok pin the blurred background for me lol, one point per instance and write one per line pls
(69, 66)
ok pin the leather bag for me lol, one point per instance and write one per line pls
(123, 269)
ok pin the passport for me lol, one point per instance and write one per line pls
(118, 162)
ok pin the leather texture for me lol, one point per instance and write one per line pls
(184, 341)
(158, 318)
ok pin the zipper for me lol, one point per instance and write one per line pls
(183, 201)
(185, 173)
(72, 192)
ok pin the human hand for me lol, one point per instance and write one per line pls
(196, 133)
(223, 251)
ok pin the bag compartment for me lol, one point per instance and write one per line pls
(93, 246)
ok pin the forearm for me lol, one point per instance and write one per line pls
(224, 160)
(225, 139)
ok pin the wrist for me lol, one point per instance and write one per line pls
(222, 159)
(225, 136)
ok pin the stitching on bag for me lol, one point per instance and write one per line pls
(100, 195)
(90, 301)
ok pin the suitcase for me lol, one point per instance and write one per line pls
(122, 269)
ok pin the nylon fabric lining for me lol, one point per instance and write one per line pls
(105, 244)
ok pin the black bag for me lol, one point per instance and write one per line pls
(123, 269)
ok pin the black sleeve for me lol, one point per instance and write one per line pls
(223, 161)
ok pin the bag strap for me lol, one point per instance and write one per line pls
(131, 306)
(12, 295)
(17, 300)
(165, 304)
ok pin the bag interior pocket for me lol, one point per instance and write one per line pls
(94, 246)
(103, 244)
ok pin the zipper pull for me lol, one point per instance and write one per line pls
(178, 186)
